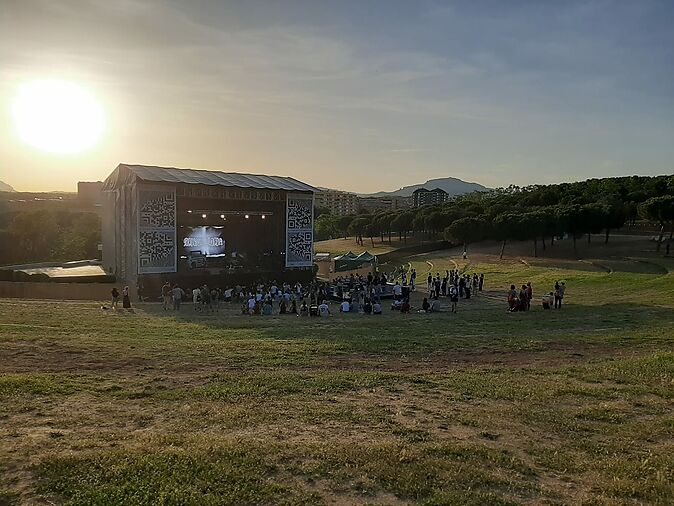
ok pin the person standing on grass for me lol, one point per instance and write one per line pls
(524, 299)
(397, 291)
(430, 282)
(558, 299)
(453, 297)
(413, 278)
(562, 291)
(530, 294)
(126, 300)
(481, 282)
(177, 297)
(166, 296)
(114, 297)
(195, 298)
(512, 298)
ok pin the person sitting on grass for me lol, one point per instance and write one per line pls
(376, 308)
(267, 308)
(282, 307)
(304, 309)
(323, 309)
(435, 306)
(405, 306)
(344, 307)
(425, 305)
(367, 307)
(548, 300)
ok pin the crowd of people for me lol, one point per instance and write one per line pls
(354, 293)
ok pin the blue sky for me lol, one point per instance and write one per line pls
(363, 95)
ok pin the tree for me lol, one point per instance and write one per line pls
(660, 209)
(614, 217)
(357, 228)
(343, 223)
(508, 226)
(325, 227)
(402, 224)
(570, 220)
(466, 231)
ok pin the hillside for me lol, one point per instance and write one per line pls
(451, 185)
(4, 187)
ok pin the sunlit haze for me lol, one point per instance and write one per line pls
(361, 96)
(57, 117)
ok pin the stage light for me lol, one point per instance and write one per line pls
(263, 216)
(189, 211)
(222, 216)
(203, 215)
(247, 216)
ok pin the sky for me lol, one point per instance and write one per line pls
(359, 95)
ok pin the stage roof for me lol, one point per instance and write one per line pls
(126, 174)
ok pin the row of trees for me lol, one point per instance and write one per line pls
(532, 213)
(42, 235)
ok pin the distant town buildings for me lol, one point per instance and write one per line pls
(339, 203)
(375, 204)
(423, 197)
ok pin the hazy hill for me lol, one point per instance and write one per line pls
(4, 187)
(451, 185)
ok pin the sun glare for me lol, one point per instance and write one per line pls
(57, 116)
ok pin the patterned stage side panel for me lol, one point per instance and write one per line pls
(299, 230)
(156, 229)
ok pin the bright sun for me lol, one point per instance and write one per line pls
(58, 116)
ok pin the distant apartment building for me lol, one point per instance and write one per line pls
(375, 204)
(339, 203)
(424, 197)
(90, 192)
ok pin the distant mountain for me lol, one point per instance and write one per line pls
(451, 185)
(4, 187)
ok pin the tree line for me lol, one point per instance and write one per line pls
(41, 236)
(538, 213)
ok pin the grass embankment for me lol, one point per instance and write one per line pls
(481, 407)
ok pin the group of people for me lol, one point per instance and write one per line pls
(114, 298)
(521, 300)
(464, 284)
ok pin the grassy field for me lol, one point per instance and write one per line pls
(481, 407)
(341, 246)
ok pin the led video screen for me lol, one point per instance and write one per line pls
(203, 241)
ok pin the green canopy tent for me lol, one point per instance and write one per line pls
(349, 261)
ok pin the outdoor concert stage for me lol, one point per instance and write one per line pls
(193, 226)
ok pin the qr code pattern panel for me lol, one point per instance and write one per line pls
(299, 213)
(299, 226)
(300, 246)
(157, 208)
(156, 249)
(156, 230)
